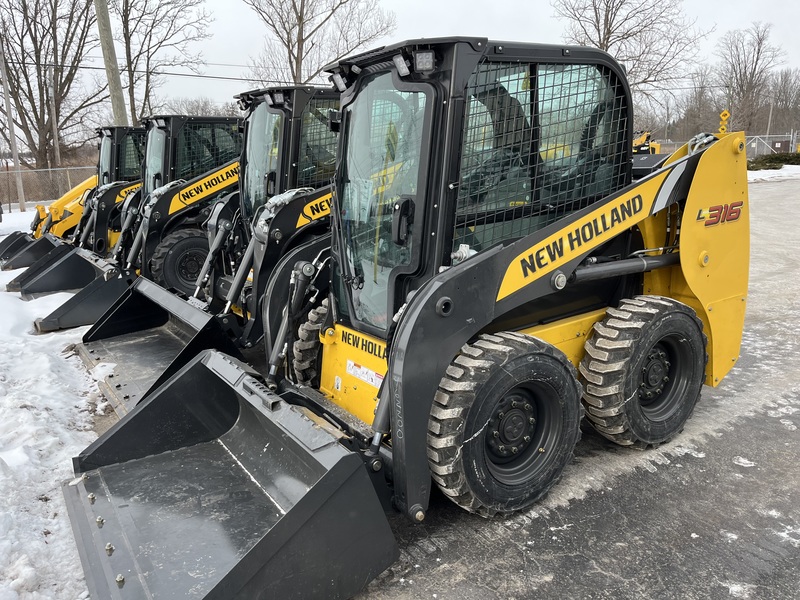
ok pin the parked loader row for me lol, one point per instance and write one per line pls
(487, 269)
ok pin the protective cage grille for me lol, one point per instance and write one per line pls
(204, 146)
(131, 156)
(317, 161)
(539, 141)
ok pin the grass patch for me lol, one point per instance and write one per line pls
(773, 161)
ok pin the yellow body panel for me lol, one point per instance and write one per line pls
(715, 251)
(42, 216)
(353, 367)
(595, 228)
(207, 186)
(71, 202)
(316, 209)
(127, 191)
(568, 335)
(69, 218)
(113, 237)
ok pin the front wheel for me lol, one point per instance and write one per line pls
(178, 259)
(504, 423)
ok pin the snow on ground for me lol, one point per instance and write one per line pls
(46, 404)
(45, 420)
(786, 172)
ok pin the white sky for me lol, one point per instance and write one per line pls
(238, 33)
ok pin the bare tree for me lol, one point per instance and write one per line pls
(653, 38)
(699, 107)
(156, 35)
(785, 96)
(305, 35)
(748, 58)
(201, 106)
(37, 34)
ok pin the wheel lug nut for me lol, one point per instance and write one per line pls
(500, 415)
(528, 407)
(665, 380)
(527, 438)
(649, 395)
(502, 449)
(514, 449)
(667, 364)
(495, 434)
(531, 420)
(514, 404)
(661, 355)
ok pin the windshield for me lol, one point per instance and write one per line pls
(261, 156)
(154, 160)
(104, 166)
(381, 165)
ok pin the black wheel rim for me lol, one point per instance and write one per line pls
(665, 373)
(522, 433)
(188, 267)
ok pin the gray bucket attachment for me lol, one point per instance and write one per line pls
(30, 253)
(89, 304)
(13, 243)
(216, 488)
(149, 334)
(63, 269)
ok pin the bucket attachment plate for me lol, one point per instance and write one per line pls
(13, 243)
(88, 305)
(30, 253)
(149, 334)
(63, 269)
(216, 488)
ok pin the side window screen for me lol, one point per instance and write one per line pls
(205, 146)
(317, 161)
(539, 142)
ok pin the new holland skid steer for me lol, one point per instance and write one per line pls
(189, 162)
(119, 163)
(255, 241)
(485, 292)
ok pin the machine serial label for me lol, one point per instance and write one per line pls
(316, 209)
(364, 374)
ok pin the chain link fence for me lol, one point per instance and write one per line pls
(760, 145)
(40, 185)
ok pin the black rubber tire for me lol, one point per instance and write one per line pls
(178, 259)
(472, 414)
(306, 348)
(629, 355)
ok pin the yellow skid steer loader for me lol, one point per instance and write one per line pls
(485, 291)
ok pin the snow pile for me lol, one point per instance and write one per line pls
(786, 172)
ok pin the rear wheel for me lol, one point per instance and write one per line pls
(643, 370)
(178, 259)
(504, 423)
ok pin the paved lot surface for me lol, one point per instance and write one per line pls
(713, 514)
